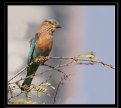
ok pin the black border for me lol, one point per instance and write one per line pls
(61, 3)
(1, 54)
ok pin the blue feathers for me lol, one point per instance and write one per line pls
(32, 47)
(38, 47)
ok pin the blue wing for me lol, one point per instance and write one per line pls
(33, 43)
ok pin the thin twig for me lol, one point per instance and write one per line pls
(18, 73)
(15, 96)
(54, 67)
(54, 100)
(99, 62)
(45, 71)
(58, 86)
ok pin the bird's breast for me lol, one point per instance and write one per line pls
(44, 45)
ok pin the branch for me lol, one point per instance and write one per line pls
(77, 59)
(58, 86)
(53, 68)
(18, 73)
(87, 58)
(45, 71)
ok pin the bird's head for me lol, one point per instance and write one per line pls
(50, 25)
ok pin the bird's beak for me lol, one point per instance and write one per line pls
(58, 26)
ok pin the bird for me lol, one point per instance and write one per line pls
(40, 45)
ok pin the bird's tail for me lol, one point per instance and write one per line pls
(31, 70)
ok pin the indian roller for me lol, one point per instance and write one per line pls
(40, 45)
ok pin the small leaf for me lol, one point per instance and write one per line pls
(43, 90)
(46, 84)
(38, 94)
(89, 55)
(29, 97)
(30, 102)
(50, 95)
(37, 88)
(52, 87)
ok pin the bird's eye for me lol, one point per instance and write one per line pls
(50, 22)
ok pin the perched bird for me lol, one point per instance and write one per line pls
(40, 45)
